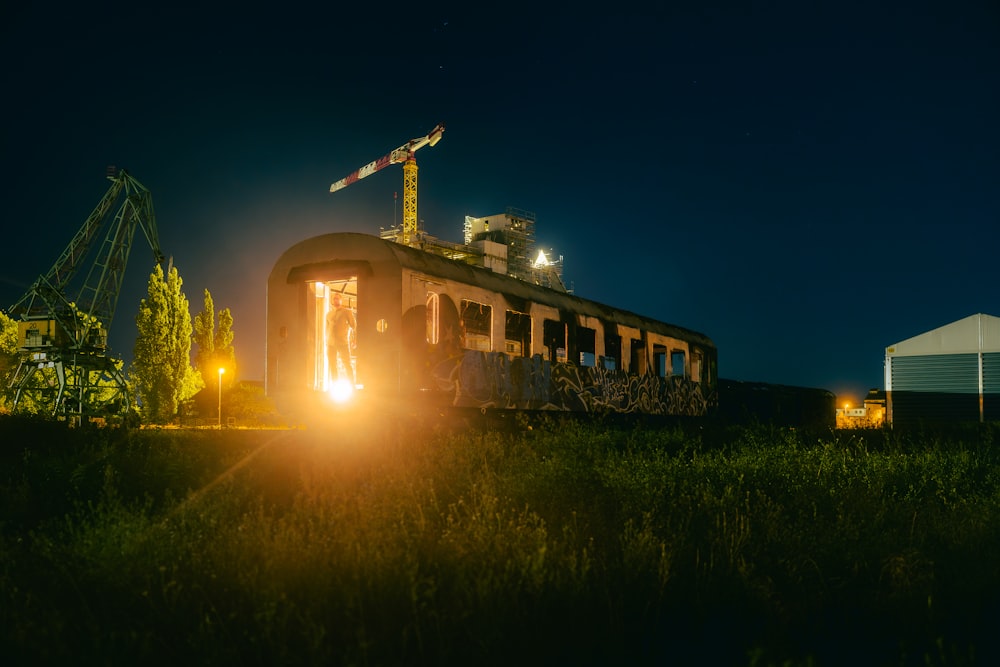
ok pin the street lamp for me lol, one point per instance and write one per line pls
(221, 371)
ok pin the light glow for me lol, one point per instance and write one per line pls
(341, 391)
(541, 260)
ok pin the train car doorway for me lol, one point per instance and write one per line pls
(335, 335)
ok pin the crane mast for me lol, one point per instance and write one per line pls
(62, 339)
(404, 154)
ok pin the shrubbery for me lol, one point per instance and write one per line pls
(406, 543)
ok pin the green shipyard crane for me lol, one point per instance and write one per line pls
(65, 368)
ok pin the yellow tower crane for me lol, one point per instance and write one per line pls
(404, 154)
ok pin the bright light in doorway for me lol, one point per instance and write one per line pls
(341, 391)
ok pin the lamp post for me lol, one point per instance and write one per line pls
(221, 371)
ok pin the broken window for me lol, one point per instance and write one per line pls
(477, 323)
(678, 363)
(586, 344)
(554, 340)
(612, 350)
(637, 356)
(517, 334)
(660, 360)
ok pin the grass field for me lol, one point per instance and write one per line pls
(407, 543)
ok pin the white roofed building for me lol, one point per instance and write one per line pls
(948, 374)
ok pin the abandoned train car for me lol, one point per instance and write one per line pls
(437, 332)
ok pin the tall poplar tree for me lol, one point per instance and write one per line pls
(215, 346)
(162, 371)
(224, 351)
(204, 336)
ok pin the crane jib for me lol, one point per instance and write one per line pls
(366, 170)
(404, 153)
(372, 167)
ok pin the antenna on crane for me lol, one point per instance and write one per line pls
(404, 154)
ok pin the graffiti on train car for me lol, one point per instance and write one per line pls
(494, 380)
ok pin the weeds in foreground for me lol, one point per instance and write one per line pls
(566, 543)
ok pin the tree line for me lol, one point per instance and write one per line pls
(162, 379)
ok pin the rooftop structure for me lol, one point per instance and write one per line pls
(503, 243)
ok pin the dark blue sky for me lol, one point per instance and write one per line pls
(806, 184)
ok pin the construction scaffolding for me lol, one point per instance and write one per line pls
(514, 229)
(507, 241)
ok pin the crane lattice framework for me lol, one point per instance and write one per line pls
(404, 154)
(62, 341)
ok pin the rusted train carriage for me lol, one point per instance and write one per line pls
(434, 331)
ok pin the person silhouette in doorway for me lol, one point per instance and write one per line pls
(339, 322)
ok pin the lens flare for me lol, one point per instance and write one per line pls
(341, 391)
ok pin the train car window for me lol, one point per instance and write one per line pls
(477, 323)
(586, 344)
(677, 363)
(612, 350)
(637, 356)
(433, 318)
(517, 334)
(554, 340)
(660, 360)
(696, 367)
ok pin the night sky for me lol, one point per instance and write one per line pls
(806, 183)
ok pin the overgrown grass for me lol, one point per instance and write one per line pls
(402, 543)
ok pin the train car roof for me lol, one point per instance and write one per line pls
(356, 247)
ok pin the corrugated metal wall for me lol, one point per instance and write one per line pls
(940, 387)
(991, 386)
(937, 372)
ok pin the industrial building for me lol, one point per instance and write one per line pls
(948, 374)
(870, 414)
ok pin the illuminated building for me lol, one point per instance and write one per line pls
(870, 414)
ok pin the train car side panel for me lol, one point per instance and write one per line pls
(433, 332)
